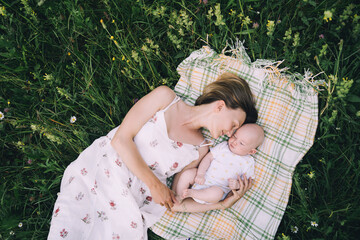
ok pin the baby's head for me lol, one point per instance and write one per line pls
(246, 139)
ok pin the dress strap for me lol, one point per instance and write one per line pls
(203, 143)
(177, 98)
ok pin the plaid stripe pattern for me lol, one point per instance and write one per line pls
(288, 111)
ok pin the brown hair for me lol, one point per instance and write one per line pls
(234, 91)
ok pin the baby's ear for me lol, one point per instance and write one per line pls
(252, 151)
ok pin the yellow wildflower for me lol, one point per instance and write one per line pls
(246, 21)
(69, 53)
(270, 27)
(328, 15)
(311, 174)
(48, 77)
(2, 11)
(112, 37)
(116, 43)
(113, 58)
(102, 23)
(232, 12)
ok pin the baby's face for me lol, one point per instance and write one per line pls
(242, 142)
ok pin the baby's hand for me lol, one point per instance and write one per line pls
(200, 179)
(233, 184)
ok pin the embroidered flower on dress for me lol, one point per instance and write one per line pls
(63, 233)
(102, 143)
(79, 196)
(147, 200)
(86, 219)
(133, 225)
(174, 166)
(112, 205)
(153, 119)
(154, 143)
(95, 184)
(102, 215)
(115, 236)
(142, 190)
(107, 172)
(118, 162)
(154, 166)
(93, 191)
(71, 179)
(83, 172)
(129, 183)
(177, 145)
(125, 192)
(56, 212)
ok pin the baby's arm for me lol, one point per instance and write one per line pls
(203, 167)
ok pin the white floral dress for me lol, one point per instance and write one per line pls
(101, 199)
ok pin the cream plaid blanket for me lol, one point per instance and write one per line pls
(288, 112)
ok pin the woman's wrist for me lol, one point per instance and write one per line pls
(152, 181)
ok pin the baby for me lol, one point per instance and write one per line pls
(218, 170)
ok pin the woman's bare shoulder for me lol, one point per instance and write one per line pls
(165, 94)
(164, 91)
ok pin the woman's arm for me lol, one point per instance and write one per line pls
(123, 141)
(189, 205)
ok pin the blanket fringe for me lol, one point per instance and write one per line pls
(303, 83)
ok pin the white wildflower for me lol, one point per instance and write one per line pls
(72, 119)
(314, 224)
(294, 229)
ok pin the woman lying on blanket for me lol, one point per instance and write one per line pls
(116, 187)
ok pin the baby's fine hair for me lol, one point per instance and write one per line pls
(234, 91)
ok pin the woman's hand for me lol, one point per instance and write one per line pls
(235, 195)
(162, 195)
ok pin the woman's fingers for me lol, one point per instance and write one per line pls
(250, 183)
(241, 183)
(169, 200)
(173, 198)
(246, 182)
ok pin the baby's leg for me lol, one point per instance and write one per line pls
(211, 194)
(185, 181)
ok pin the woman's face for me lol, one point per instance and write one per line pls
(226, 121)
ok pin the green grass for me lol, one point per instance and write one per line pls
(58, 60)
